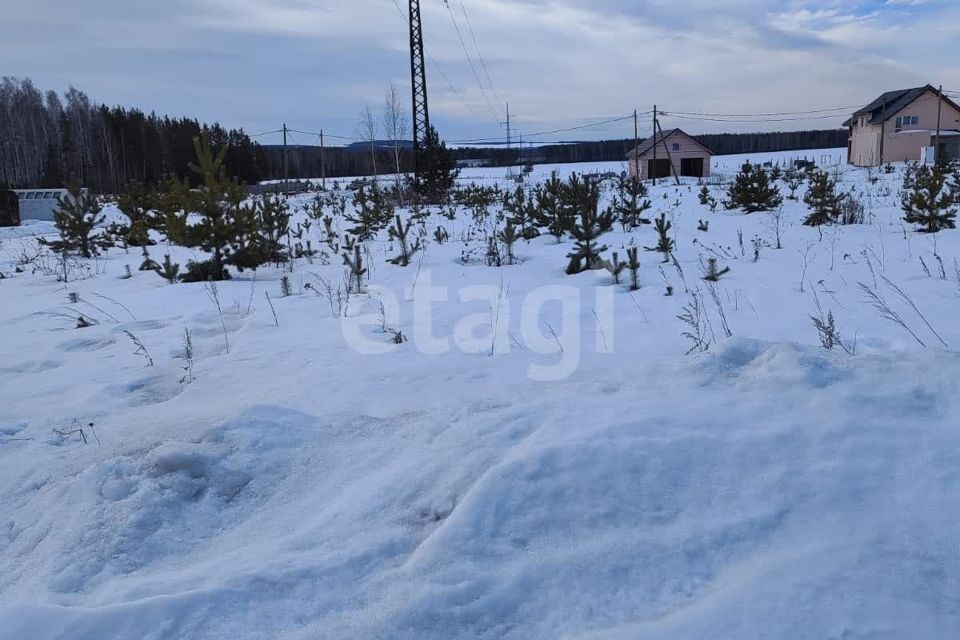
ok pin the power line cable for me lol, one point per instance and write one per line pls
(437, 67)
(265, 133)
(673, 114)
(326, 135)
(751, 115)
(473, 68)
(483, 63)
(546, 133)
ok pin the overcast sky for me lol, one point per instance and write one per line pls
(559, 63)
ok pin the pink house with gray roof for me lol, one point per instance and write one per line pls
(898, 125)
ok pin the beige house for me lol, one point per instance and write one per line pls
(677, 154)
(897, 126)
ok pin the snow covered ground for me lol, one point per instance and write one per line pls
(586, 479)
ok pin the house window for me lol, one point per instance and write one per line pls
(906, 121)
(676, 146)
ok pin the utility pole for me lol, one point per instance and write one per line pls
(883, 126)
(654, 134)
(509, 143)
(418, 84)
(936, 144)
(286, 182)
(673, 167)
(636, 145)
(323, 163)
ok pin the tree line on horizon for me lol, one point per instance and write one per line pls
(48, 141)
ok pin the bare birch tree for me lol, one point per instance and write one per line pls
(368, 131)
(395, 125)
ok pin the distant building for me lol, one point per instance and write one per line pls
(677, 154)
(364, 145)
(9, 208)
(899, 125)
(39, 204)
(471, 163)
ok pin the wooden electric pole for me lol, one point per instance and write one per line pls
(636, 145)
(509, 143)
(654, 134)
(883, 126)
(673, 168)
(936, 144)
(323, 163)
(286, 181)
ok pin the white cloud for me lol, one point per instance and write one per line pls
(558, 62)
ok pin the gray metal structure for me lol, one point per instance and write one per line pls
(39, 204)
(418, 84)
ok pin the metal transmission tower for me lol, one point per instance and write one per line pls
(418, 83)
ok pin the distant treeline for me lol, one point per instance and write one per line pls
(614, 150)
(305, 162)
(48, 141)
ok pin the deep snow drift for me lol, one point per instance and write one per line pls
(299, 489)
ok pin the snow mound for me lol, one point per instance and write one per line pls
(760, 490)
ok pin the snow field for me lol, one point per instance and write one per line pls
(301, 489)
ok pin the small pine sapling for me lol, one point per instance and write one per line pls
(793, 182)
(703, 225)
(665, 243)
(372, 212)
(631, 203)
(357, 270)
(822, 199)
(550, 211)
(493, 258)
(753, 191)
(633, 263)
(76, 216)
(928, 200)
(273, 223)
(704, 195)
(400, 232)
(508, 237)
(585, 196)
(522, 212)
(615, 267)
(440, 235)
(170, 270)
(148, 264)
(712, 273)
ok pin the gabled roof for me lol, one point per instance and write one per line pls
(648, 143)
(892, 102)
